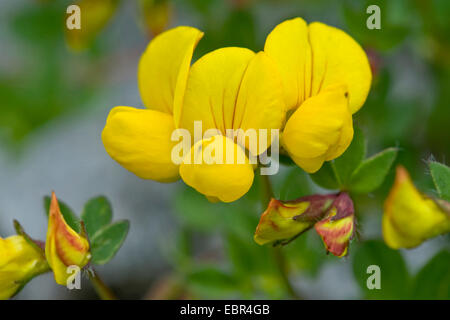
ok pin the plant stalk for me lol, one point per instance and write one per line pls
(103, 291)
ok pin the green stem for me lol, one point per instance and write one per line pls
(100, 287)
(280, 259)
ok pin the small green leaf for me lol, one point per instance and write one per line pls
(107, 240)
(393, 274)
(441, 178)
(294, 183)
(69, 216)
(326, 177)
(97, 213)
(351, 158)
(371, 172)
(433, 280)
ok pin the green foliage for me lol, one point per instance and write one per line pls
(371, 172)
(97, 213)
(433, 280)
(326, 177)
(105, 238)
(352, 172)
(291, 184)
(441, 178)
(395, 280)
(346, 164)
(107, 241)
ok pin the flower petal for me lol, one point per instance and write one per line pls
(260, 103)
(164, 67)
(338, 58)
(288, 45)
(409, 217)
(217, 167)
(213, 87)
(336, 234)
(140, 140)
(321, 129)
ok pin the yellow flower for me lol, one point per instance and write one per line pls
(64, 247)
(140, 139)
(229, 88)
(411, 217)
(19, 262)
(331, 215)
(326, 78)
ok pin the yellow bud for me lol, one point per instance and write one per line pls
(411, 217)
(282, 221)
(337, 228)
(64, 247)
(20, 261)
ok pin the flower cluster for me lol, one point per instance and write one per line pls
(307, 83)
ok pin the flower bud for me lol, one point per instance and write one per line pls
(20, 261)
(64, 247)
(283, 221)
(411, 217)
(337, 228)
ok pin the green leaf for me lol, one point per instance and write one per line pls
(291, 184)
(97, 213)
(326, 177)
(68, 214)
(107, 240)
(371, 172)
(441, 178)
(433, 280)
(394, 277)
(351, 158)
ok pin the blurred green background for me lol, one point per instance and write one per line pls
(56, 90)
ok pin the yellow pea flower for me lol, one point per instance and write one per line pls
(227, 89)
(411, 217)
(20, 261)
(140, 139)
(64, 247)
(326, 78)
(331, 215)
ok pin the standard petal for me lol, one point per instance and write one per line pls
(213, 87)
(164, 67)
(218, 168)
(338, 58)
(140, 140)
(289, 47)
(320, 129)
(260, 103)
